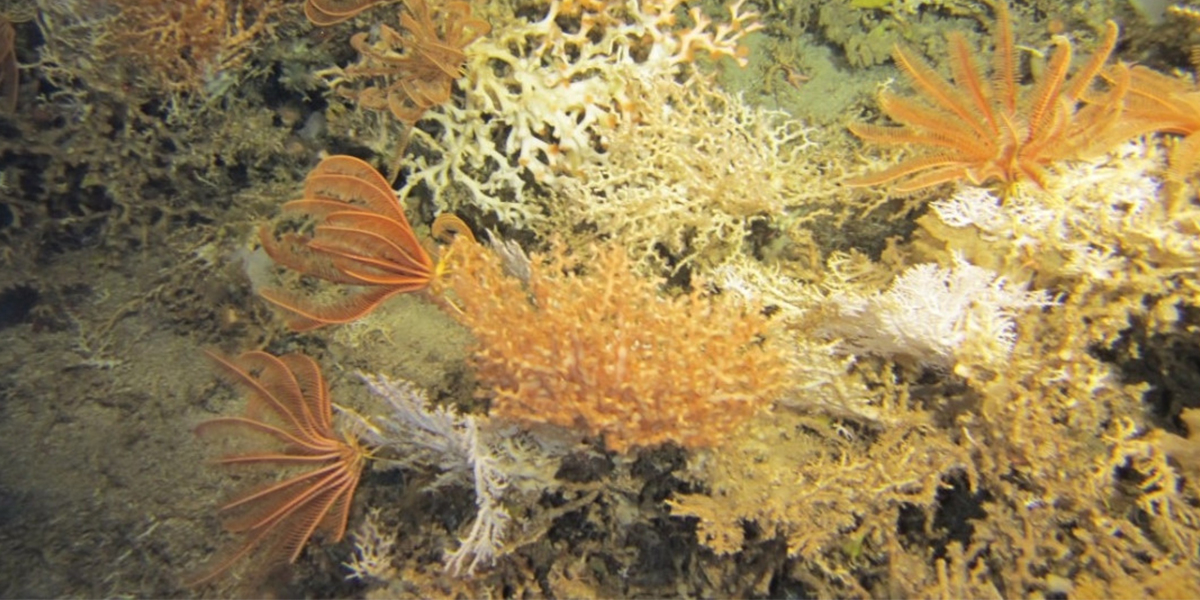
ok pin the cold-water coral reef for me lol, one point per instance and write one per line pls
(185, 45)
(689, 171)
(827, 497)
(830, 396)
(464, 448)
(1000, 412)
(927, 313)
(539, 100)
(1106, 231)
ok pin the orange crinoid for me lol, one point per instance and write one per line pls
(417, 65)
(361, 238)
(288, 404)
(982, 128)
(1158, 102)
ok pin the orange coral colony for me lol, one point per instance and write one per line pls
(585, 344)
(982, 128)
(361, 239)
(289, 404)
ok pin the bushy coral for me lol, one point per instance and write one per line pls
(929, 312)
(540, 97)
(817, 492)
(691, 170)
(184, 45)
(1023, 464)
(1100, 229)
(584, 343)
(460, 446)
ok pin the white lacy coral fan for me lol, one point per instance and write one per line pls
(539, 100)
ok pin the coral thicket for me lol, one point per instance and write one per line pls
(585, 343)
(731, 367)
(184, 45)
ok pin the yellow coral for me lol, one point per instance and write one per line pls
(692, 169)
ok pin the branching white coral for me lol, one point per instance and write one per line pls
(453, 442)
(468, 449)
(539, 100)
(930, 311)
(1107, 231)
(1078, 195)
(373, 547)
(417, 433)
(754, 283)
(693, 170)
(485, 541)
(1098, 215)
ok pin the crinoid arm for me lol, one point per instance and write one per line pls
(970, 130)
(304, 314)
(331, 12)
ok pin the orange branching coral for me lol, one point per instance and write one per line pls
(332, 12)
(361, 239)
(183, 44)
(584, 343)
(978, 132)
(419, 64)
(1157, 102)
(289, 404)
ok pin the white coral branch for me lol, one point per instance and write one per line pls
(930, 311)
(457, 444)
